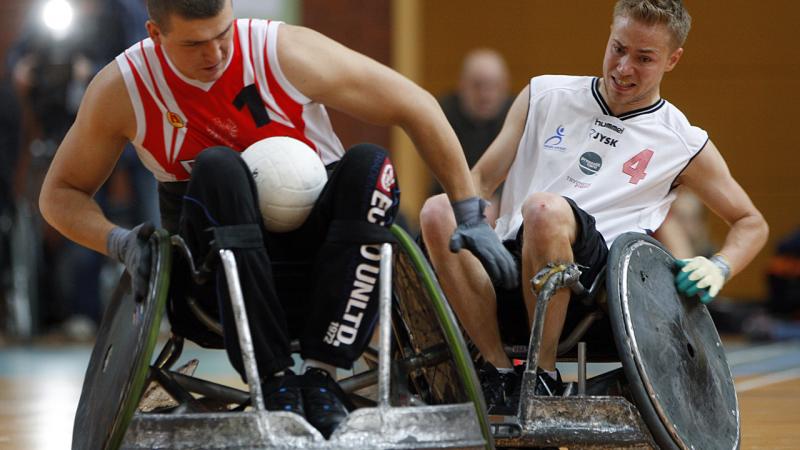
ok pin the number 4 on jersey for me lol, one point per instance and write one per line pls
(635, 167)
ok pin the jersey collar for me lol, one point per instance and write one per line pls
(628, 115)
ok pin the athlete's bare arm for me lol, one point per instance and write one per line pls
(85, 159)
(493, 166)
(708, 177)
(340, 78)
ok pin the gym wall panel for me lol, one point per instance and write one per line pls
(365, 26)
(739, 79)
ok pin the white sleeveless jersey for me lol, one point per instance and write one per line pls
(621, 169)
(176, 117)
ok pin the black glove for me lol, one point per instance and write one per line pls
(474, 234)
(132, 248)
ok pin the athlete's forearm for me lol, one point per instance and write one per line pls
(439, 147)
(745, 239)
(76, 215)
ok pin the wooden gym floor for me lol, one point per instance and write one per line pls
(40, 386)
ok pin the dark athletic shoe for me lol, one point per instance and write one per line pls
(325, 403)
(500, 390)
(283, 393)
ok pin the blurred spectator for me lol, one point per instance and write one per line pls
(50, 73)
(130, 17)
(9, 145)
(783, 278)
(781, 318)
(476, 111)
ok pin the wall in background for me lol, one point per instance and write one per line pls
(365, 26)
(286, 10)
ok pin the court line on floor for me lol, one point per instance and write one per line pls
(748, 354)
(766, 380)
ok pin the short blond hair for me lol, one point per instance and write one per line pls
(671, 13)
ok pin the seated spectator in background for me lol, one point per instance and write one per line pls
(9, 145)
(783, 278)
(476, 111)
(779, 319)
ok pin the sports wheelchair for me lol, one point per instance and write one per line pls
(427, 391)
(674, 390)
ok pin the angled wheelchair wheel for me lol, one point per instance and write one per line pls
(117, 372)
(671, 353)
(427, 331)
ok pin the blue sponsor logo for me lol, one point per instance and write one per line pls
(554, 141)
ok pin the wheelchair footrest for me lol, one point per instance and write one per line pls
(574, 422)
(443, 426)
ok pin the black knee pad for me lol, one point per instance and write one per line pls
(223, 164)
(363, 186)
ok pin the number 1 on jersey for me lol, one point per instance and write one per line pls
(635, 167)
(251, 98)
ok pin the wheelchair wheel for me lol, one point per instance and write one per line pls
(117, 372)
(426, 329)
(670, 350)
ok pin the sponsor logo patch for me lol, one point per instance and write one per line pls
(600, 137)
(578, 183)
(554, 141)
(610, 126)
(590, 163)
(386, 178)
(175, 120)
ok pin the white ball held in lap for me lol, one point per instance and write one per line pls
(289, 177)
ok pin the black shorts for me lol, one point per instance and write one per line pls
(590, 252)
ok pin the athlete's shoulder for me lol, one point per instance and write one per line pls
(676, 121)
(133, 58)
(544, 84)
(256, 24)
(108, 81)
(106, 100)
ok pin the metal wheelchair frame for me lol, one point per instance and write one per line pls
(250, 426)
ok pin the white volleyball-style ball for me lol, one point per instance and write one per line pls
(289, 177)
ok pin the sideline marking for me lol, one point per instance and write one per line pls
(766, 380)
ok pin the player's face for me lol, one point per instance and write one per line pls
(637, 56)
(199, 48)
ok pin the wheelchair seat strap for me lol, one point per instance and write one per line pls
(238, 237)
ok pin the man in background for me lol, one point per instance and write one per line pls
(476, 111)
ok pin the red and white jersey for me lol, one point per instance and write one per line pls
(620, 169)
(177, 117)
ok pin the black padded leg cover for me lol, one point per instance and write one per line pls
(221, 193)
(342, 317)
